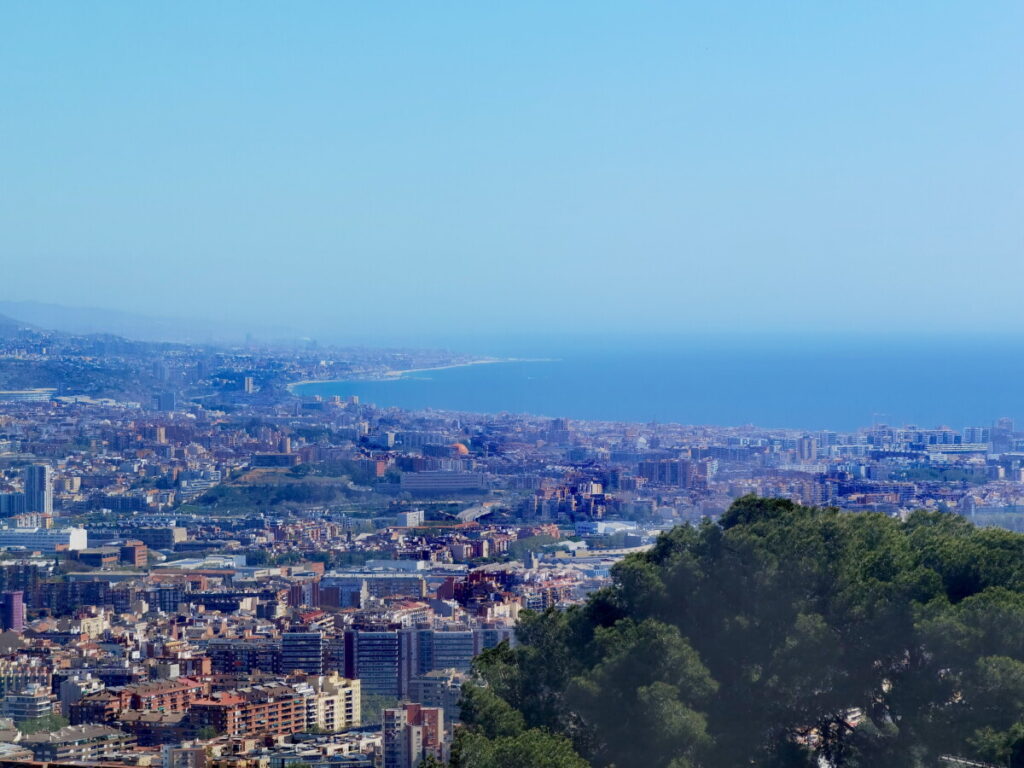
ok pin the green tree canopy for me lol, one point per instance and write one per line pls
(42, 724)
(781, 635)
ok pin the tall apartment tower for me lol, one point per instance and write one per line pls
(807, 449)
(38, 488)
(165, 401)
(375, 658)
(304, 651)
(12, 611)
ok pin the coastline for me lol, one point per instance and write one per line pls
(394, 375)
(388, 375)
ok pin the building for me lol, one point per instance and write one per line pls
(160, 538)
(10, 752)
(431, 649)
(375, 659)
(386, 661)
(19, 673)
(102, 706)
(559, 432)
(47, 540)
(259, 709)
(413, 518)
(166, 695)
(34, 702)
(807, 449)
(676, 472)
(439, 688)
(303, 651)
(232, 655)
(73, 689)
(160, 696)
(38, 488)
(335, 704)
(443, 482)
(184, 756)
(165, 401)
(99, 557)
(977, 435)
(167, 598)
(350, 588)
(33, 520)
(12, 504)
(411, 733)
(12, 611)
(152, 729)
(134, 553)
(412, 440)
(79, 743)
(275, 459)
(602, 527)
(38, 395)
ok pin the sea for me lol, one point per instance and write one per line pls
(796, 382)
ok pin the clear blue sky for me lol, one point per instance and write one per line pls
(577, 165)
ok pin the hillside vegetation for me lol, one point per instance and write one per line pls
(781, 635)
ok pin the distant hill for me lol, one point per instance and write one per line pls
(93, 320)
(9, 326)
(87, 320)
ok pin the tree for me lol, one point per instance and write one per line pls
(42, 724)
(257, 557)
(781, 635)
(534, 748)
(494, 733)
(207, 732)
(372, 707)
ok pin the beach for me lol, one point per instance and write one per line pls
(391, 375)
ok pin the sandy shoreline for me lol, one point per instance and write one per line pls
(397, 374)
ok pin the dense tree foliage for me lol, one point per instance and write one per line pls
(779, 636)
(42, 724)
(372, 707)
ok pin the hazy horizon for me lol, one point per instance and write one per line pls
(412, 171)
(511, 343)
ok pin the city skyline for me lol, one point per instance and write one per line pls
(536, 385)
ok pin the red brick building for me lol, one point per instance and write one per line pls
(261, 709)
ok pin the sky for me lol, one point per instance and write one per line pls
(354, 168)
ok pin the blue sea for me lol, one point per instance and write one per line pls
(802, 383)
